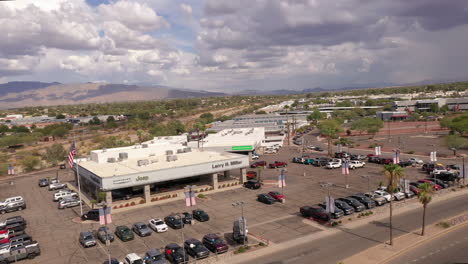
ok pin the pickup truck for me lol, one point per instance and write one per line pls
(277, 164)
(19, 251)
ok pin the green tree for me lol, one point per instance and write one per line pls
(207, 118)
(261, 112)
(59, 132)
(369, 124)
(30, 162)
(55, 154)
(393, 173)
(315, 116)
(60, 116)
(20, 129)
(176, 127)
(458, 123)
(4, 129)
(95, 121)
(455, 142)
(425, 197)
(110, 119)
(330, 129)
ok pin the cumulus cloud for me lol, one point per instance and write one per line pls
(186, 9)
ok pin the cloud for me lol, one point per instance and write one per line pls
(186, 9)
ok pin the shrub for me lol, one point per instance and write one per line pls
(114, 207)
(211, 188)
(410, 152)
(142, 201)
(174, 195)
(373, 145)
(349, 219)
(462, 186)
(201, 195)
(121, 206)
(132, 203)
(454, 190)
(443, 224)
(241, 250)
(224, 185)
(261, 244)
(127, 205)
(207, 189)
(219, 187)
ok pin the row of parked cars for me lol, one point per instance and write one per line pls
(334, 163)
(64, 197)
(15, 244)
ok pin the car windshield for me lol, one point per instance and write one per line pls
(156, 257)
(138, 261)
(218, 241)
(159, 223)
(142, 226)
(88, 237)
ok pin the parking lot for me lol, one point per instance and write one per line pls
(57, 233)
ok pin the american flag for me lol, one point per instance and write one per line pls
(345, 167)
(71, 155)
(281, 180)
(105, 216)
(190, 198)
(396, 157)
(187, 199)
(11, 170)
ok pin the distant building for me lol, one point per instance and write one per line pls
(426, 105)
(392, 115)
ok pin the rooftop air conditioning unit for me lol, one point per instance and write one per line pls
(144, 146)
(180, 151)
(154, 161)
(187, 149)
(171, 158)
(123, 155)
(169, 152)
(111, 160)
(104, 150)
(143, 162)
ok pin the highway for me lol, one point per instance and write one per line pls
(337, 247)
(449, 248)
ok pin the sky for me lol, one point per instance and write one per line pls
(224, 45)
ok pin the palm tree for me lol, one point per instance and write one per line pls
(393, 173)
(425, 197)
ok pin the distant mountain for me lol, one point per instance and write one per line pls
(280, 92)
(20, 94)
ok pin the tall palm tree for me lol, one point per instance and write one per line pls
(425, 197)
(393, 173)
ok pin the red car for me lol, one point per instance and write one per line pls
(277, 164)
(278, 196)
(414, 189)
(436, 186)
(258, 164)
(251, 175)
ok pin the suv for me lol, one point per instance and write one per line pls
(68, 203)
(356, 164)
(277, 164)
(61, 195)
(87, 239)
(347, 209)
(43, 182)
(174, 221)
(215, 244)
(252, 184)
(175, 254)
(196, 249)
(321, 162)
(358, 207)
(341, 155)
(56, 186)
(240, 231)
(92, 214)
(124, 233)
(11, 200)
(200, 215)
(104, 234)
(154, 256)
(369, 203)
(333, 165)
(187, 218)
(13, 206)
(315, 212)
(336, 214)
(14, 220)
(379, 200)
(258, 164)
(133, 258)
(141, 229)
(158, 225)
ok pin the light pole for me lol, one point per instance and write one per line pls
(463, 168)
(182, 233)
(244, 227)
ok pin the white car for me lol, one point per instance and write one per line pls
(11, 200)
(158, 225)
(270, 151)
(333, 165)
(133, 258)
(255, 156)
(439, 171)
(399, 196)
(62, 195)
(56, 186)
(356, 164)
(416, 160)
(384, 194)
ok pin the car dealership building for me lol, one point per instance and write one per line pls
(165, 162)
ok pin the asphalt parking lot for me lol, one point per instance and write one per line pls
(58, 234)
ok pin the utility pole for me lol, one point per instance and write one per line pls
(463, 168)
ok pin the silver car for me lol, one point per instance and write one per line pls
(87, 239)
(141, 229)
(68, 203)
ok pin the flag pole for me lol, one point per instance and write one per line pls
(78, 177)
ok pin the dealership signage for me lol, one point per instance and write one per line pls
(226, 164)
(249, 147)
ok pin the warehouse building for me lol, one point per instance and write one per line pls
(272, 123)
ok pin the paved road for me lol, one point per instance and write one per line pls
(337, 247)
(449, 248)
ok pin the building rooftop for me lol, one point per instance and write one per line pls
(155, 163)
(235, 137)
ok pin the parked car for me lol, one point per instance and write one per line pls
(373, 159)
(251, 175)
(410, 194)
(435, 186)
(87, 239)
(384, 194)
(61, 195)
(255, 156)
(154, 256)
(276, 195)
(385, 161)
(43, 182)
(347, 209)
(278, 164)
(379, 200)
(133, 258)
(124, 233)
(239, 235)
(20, 239)
(333, 165)
(56, 186)
(414, 189)
(175, 254)
(416, 160)
(358, 207)
(112, 261)
(398, 196)
(187, 218)
(14, 220)
(12, 207)
(92, 214)
(445, 176)
(404, 163)
(215, 244)
(252, 184)
(11, 200)
(104, 234)
(158, 225)
(319, 162)
(341, 155)
(174, 221)
(196, 249)
(369, 203)
(337, 213)
(309, 161)
(141, 229)
(266, 199)
(315, 212)
(270, 151)
(200, 215)
(454, 168)
(439, 182)
(68, 203)
(20, 251)
(297, 160)
(258, 164)
(357, 157)
(354, 164)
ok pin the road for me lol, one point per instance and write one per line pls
(449, 248)
(339, 246)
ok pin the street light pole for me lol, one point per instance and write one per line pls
(244, 227)
(463, 168)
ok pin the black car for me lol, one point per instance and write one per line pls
(14, 221)
(374, 159)
(266, 199)
(405, 163)
(445, 176)
(13, 206)
(175, 254)
(91, 215)
(358, 207)
(347, 209)
(440, 182)
(187, 218)
(319, 162)
(174, 221)
(43, 182)
(336, 214)
(200, 215)
(297, 160)
(112, 261)
(369, 203)
(252, 185)
(215, 244)
(153, 256)
(196, 249)
(315, 212)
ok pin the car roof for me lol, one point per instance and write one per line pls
(172, 245)
(85, 233)
(153, 252)
(192, 240)
(132, 256)
(211, 236)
